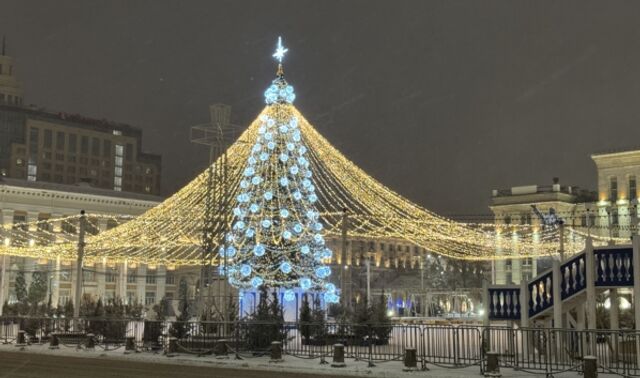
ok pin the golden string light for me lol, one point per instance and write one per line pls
(170, 233)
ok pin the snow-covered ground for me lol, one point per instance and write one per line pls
(290, 363)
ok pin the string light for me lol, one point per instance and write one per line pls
(318, 178)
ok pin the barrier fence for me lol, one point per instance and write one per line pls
(532, 350)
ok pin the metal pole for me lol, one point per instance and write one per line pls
(3, 281)
(368, 262)
(421, 275)
(79, 277)
(561, 230)
(343, 269)
(591, 284)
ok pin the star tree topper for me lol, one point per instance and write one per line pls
(280, 51)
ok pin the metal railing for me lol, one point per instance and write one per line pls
(532, 350)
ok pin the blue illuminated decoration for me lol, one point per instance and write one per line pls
(285, 267)
(289, 295)
(245, 270)
(276, 238)
(256, 282)
(305, 283)
(259, 250)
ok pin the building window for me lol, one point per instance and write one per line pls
(151, 277)
(95, 146)
(110, 277)
(59, 140)
(131, 277)
(149, 298)
(65, 275)
(129, 153)
(633, 190)
(89, 275)
(63, 297)
(84, 144)
(32, 163)
(170, 278)
(117, 170)
(613, 189)
(131, 297)
(106, 148)
(73, 141)
(615, 222)
(48, 138)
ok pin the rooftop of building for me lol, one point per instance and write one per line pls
(616, 152)
(78, 120)
(81, 188)
(543, 193)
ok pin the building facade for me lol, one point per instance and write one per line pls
(617, 205)
(26, 201)
(38, 145)
(611, 211)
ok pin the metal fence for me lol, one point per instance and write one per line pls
(532, 350)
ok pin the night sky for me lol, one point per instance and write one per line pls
(440, 100)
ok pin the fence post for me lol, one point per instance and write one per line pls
(590, 367)
(338, 356)
(90, 342)
(173, 346)
(276, 351)
(456, 358)
(220, 348)
(493, 365)
(236, 336)
(130, 345)
(410, 360)
(54, 343)
(21, 339)
(370, 363)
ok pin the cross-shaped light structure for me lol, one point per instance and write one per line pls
(280, 51)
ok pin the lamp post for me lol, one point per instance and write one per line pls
(79, 262)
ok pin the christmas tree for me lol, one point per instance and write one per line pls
(276, 238)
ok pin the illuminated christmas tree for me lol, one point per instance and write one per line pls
(276, 237)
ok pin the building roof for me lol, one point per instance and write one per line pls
(82, 188)
(78, 120)
(626, 151)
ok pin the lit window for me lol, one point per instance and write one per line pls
(613, 189)
(150, 298)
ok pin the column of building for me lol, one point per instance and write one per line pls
(7, 223)
(161, 282)
(30, 263)
(141, 282)
(121, 284)
(516, 264)
(499, 265)
(54, 287)
(101, 266)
